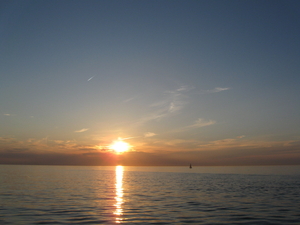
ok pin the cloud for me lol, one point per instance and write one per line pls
(7, 139)
(149, 134)
(90, 78)
(242, 136)
(172, 102)
(131, 98)
(198, 123)
(202, 123)
(240, 142)
(185, 88)
(7, 114)
(172, 107)
(119, 138)
(229, 151)
(55, 158)
(82, 130)
(217, 89)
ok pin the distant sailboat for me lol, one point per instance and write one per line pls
(190, 166)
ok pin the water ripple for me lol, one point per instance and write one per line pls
(69, 195)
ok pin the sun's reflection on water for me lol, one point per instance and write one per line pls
(119, 193)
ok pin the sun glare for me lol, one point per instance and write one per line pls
(120, 146)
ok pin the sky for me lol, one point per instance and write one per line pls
(201, 82)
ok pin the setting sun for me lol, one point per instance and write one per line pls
(120, 146)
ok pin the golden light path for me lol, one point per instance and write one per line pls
(119, 193)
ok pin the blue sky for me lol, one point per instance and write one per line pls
(207, 82)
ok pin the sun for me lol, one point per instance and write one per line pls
(120, 146)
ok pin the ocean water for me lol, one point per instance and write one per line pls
(149, 195)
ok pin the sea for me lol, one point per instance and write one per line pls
(149, 195)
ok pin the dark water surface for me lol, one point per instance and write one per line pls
(149, 195)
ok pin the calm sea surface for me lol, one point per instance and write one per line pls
(149, 195)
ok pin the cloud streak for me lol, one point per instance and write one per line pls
(149, 134)
(82, 130)
(202, 123)
(217, 89)
(90, 78)
(172, 102)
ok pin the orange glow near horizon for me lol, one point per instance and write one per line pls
(119, 193)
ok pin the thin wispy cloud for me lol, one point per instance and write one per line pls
(126, 138)
(178, 98)
(241, 142)
(172, 102)
(242, 136)
(185, 88)
(149, 134)
(217, 89)
(129, 99)
(155, 115)
(7, 114)
(82, 130)
(197, 124)
(6, 139)
(90, 78)
(202, 123)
